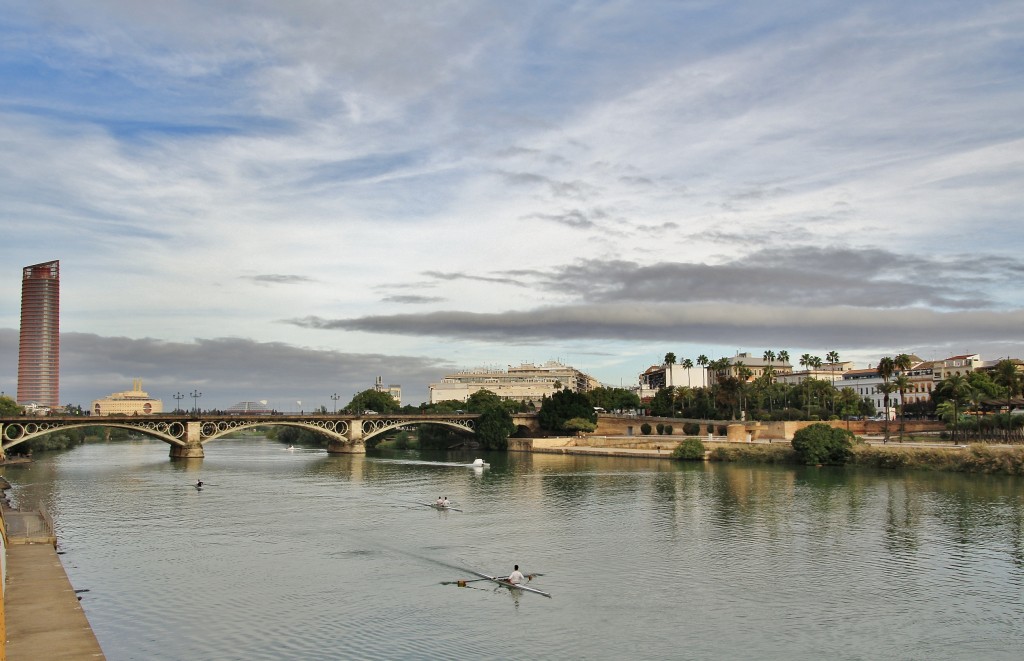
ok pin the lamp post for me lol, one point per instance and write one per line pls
(178, 396)
(195, 395)
(335, 397)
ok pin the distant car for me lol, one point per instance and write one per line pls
(459, 411)
(369, 412)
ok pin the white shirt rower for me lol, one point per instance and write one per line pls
(516, 577)
(445, 503)
(440, 502)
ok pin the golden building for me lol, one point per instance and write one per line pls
(130, 402)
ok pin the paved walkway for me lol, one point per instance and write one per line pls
(43, 616)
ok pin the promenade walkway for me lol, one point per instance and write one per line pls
(43, 615)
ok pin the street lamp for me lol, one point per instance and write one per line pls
(195, 395)
(178, 396)
(335, 397)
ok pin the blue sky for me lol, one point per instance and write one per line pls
(285, 200)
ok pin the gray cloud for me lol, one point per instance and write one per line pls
(503, 280)
(870, 278)
(278, 279)
(225, 370)
(411, 299)
(707, 323)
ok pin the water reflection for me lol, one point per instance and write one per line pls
(645, 558)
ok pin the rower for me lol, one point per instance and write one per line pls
(199, 484)
(445, 502)
(440, 501)
(516, 577)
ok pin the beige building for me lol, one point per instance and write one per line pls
(393, 389)
(130, 402)
(525, 383)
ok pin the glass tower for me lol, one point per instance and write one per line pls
(39, 343)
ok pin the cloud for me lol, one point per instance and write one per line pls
(700, 323)
(278, 279)
(412, 299)
(225, 370)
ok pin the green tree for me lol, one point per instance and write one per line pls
(9, 407)
(670, 359)
(493, 428)
(371, 400)
(886, 368)
(690, 449)
(579, 425)
(562, 406)
(1009, 379)
(833, 359)
(954, 389)
(823, 444)
(902, 384)
(687, 365)
(611, 399)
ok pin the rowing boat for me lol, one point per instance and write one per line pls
(501, 580)
(443, 508)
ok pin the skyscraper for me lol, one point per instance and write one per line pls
(39, 344)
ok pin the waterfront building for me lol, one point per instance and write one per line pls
(129, 402)
(656, 377)
(525, 383)
(39, 341)
(960, 365)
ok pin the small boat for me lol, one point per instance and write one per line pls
(443, 508)
(479, 463)
(501, 580)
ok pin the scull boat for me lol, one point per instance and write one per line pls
(443, 508)
(501, 580)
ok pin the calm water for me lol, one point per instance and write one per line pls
(297, 555)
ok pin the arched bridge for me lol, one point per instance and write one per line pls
(187, 434)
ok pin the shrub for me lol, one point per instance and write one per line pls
(722, 431)
(822, 444)
(668, 430)
(645, 429)
(691, 429)
(661, 428)
(690, 449)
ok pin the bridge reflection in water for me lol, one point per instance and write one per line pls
(187, 433)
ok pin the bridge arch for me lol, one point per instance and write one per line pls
(187, 434)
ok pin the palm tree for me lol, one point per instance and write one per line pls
(1007, 376)
(955, 388)
(702, 360)
(805, 362)
(886, 367)
(670, 359)
(769, 357)
(832, 357)
(902, 384)
(783, 357)
(687, 365)
(768, 380)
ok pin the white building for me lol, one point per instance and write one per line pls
(525, 383)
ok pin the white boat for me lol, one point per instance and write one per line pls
(479, 463)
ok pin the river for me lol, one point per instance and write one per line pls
(294, 554)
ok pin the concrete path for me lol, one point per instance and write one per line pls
(44, 618)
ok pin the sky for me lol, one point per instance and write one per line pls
(283, 201)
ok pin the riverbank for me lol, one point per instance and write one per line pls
(975, 458)
(43, 617)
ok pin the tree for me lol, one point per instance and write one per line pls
(823, 444)
(482, 400)
(784, 357)
(954, 389)
(886, 367)
(493, 428)
(579, 425)
(690, 449)
(702, 360)
(687, 365)
(372, 400)
(1007, 376)
(670, 359)
(902, 384)
(9, 407)
(611, 399)
(833, 358)
(562, 406)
